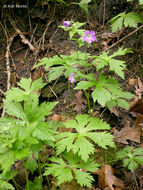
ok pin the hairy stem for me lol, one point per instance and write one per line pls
(89, 108)
(71, 97)
(102, 112)
(86, 58)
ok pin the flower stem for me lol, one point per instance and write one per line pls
(89, 108)
(93, 107)
(86, 58)
(102, 112)
(71, 97)
(17, 186)
(76, 45)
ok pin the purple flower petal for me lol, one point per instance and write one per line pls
(89, 37)
(66, 23)
(72, 78)
(94, 38)
(92, 33)
(87, 32)
(89, 40)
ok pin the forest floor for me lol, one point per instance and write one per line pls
(39, 24)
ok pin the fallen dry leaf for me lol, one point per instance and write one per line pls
(73, 185)
(136, 107)
(139, 88)
(20, 177)
(79, 102)
(132, 82)
(136, 110)
(106, 178)
(115, 111)
(128, 133)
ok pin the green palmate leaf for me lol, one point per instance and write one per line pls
(117, 102)
(31, 164)
(4, 185)
(141, 2)
(118, 24)
(35, 185)
(84, 5)
(118, 98)
(84, 179)
(75, 29)
(138, 151)
(43, 132)
(15, 109)
(30, 108)
(37, 84)
(71, 168)
(115, 65)
(35, 112)
(130, 19)
(81, 145)
(48, 62)
(10, 175)
(75, 162)
(131, 157)
(66, 142)
(44, 109)
(59, 170)
(16, 94)
(84, 85)
(139, 159)
(25, 84)
(28, 87)
(100, 140)
(78, 141)
(120, 52)
(55, 72)
(6, 123)
(102, 93)
(7, 159)
(132, 165)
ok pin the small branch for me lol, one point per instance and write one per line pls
(104, 13)
(7, 60)
(24, 40)
(123, 39)
(54, 93)
(7, 55)
(31, 38)
(2, 91)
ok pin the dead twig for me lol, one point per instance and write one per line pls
(123, 38)
(31, 39)
(7, 55)
(24, 40)
(104, 13)
(2, 91)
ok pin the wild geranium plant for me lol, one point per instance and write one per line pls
(77, 147)
(85, 131)
(131, 157)
(24, 132)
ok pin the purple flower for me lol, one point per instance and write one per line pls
(89, 37)
(72, 78)
(66, 24)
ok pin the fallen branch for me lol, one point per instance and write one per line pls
(123, 39)
(7, 55)
(24, 40)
